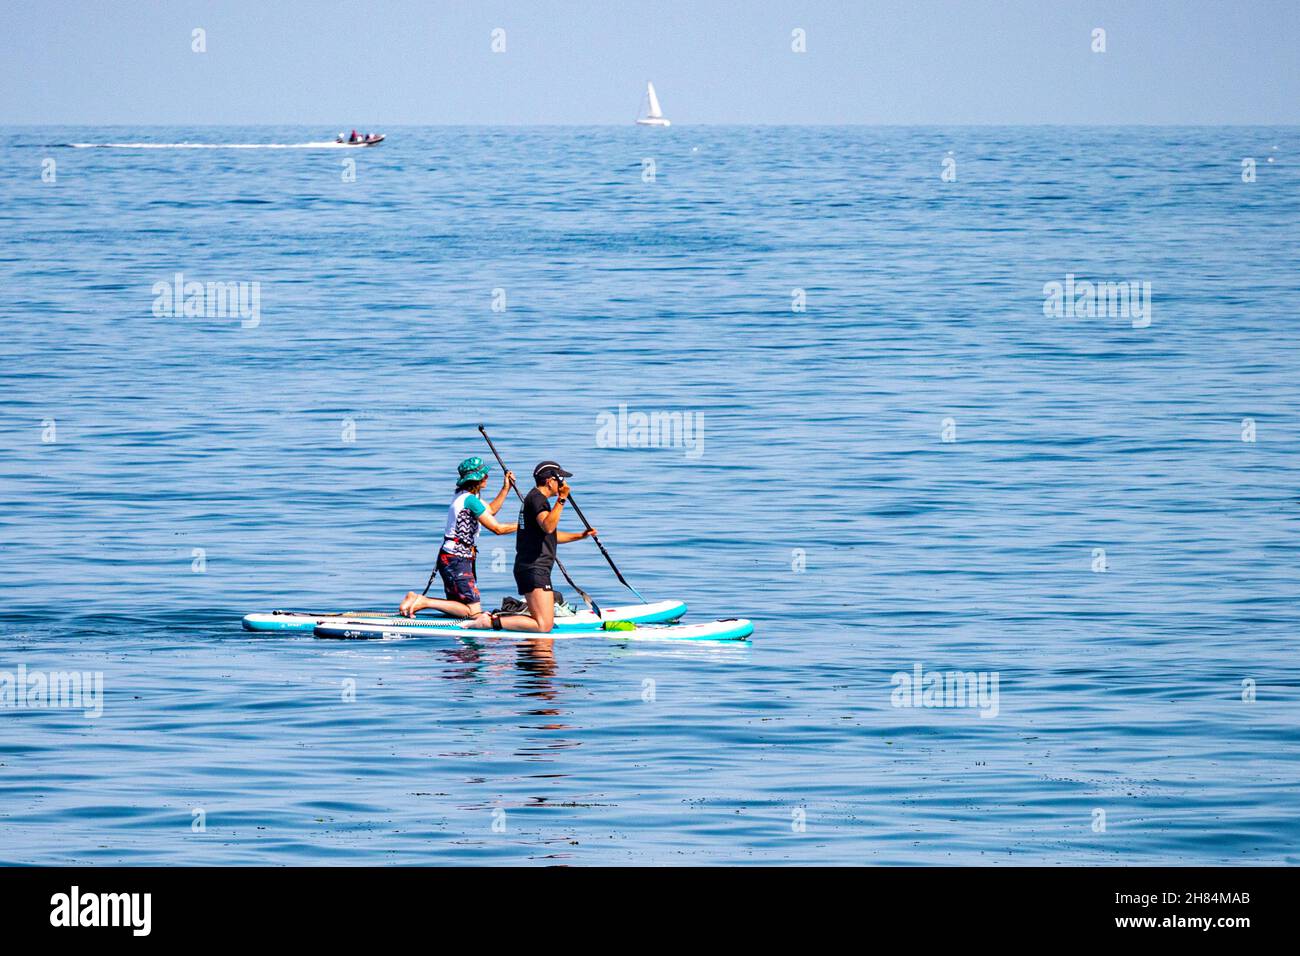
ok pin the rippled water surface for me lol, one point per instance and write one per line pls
(162, 476)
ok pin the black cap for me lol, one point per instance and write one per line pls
(549, 469)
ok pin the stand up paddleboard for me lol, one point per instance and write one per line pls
(726, 630)
(656, 612)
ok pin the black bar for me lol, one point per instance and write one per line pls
(925, 907)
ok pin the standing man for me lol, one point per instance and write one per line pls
(535, 552)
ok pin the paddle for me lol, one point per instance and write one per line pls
(432, 574)
(587, 524)
(558, 563)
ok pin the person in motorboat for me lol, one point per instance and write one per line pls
(466, 514)
(538, 526)
(353, 138)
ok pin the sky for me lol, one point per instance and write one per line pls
(395, 62)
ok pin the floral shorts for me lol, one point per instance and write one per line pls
(457, 575)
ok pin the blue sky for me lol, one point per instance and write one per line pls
(336, 63)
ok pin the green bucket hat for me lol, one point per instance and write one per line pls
(471, 469)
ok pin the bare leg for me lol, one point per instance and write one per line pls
(418, 602)
(539, 619)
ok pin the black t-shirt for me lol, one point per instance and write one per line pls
(533, 546)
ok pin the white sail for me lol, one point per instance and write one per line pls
(655, 111)
(655, 117)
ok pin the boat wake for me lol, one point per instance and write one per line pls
(329, 144)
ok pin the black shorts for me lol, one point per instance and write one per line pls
(531, 577)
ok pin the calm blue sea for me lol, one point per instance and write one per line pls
(905, 465)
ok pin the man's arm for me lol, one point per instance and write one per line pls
(564, 537)
(550, 520)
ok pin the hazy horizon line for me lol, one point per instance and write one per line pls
(1287, 125)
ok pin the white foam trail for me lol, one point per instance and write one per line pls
(321, 145)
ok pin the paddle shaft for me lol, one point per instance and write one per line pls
(617, 573)
(558, 563)
(432, 574)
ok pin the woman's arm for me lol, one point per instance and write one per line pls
(489, 521)
(500, 499)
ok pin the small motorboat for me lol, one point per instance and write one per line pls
(370, 139)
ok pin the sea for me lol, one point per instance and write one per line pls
(991, 431)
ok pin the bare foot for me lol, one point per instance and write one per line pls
(405, 608)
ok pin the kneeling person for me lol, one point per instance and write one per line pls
(466, 514)
(535, 552)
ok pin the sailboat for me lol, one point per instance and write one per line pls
(655, 116)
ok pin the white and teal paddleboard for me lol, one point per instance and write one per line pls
(369, 630)
(656, 612)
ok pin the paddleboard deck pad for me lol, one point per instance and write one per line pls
(656, 612)
(734, 629)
